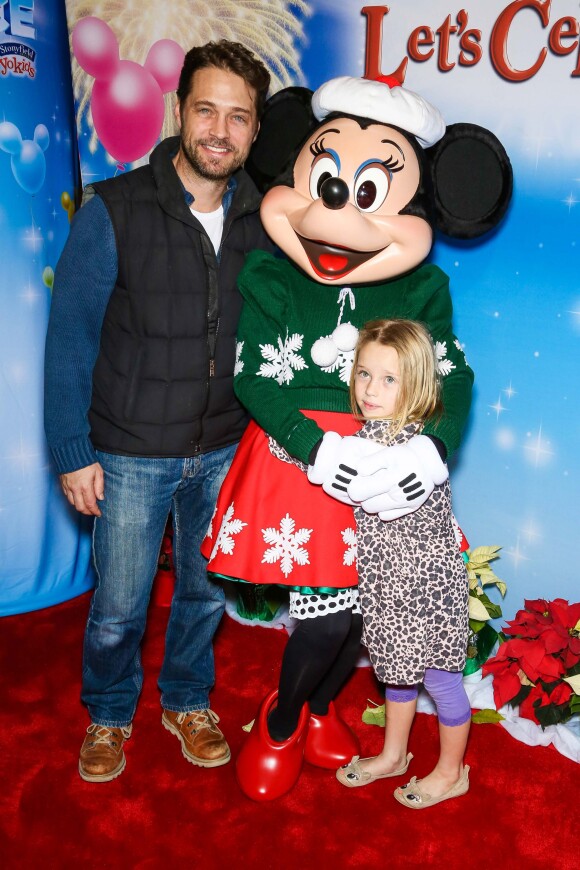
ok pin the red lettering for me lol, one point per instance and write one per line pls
(565, 28)
(419, 37)
(373, 50)
(445, 32)
(374, 43)
(471, 51)
(499, 38)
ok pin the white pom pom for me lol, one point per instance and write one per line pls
(345, 336)
(324, 352)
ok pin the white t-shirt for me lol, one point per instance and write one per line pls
(213, 224)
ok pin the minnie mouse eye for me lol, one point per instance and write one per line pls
(323, 168)
(371, 188)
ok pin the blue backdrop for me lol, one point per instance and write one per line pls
(44, 556)
(513, 68)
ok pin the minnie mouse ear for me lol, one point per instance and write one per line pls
(286, 121)
(472, 181)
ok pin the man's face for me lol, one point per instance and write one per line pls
(218, 122)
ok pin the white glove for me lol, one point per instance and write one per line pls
(399, 479)
(337, 461)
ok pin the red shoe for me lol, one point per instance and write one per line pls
(265, 769)
(330, 742)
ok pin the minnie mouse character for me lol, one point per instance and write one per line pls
(355, 214)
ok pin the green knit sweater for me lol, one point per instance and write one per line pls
(285, 312)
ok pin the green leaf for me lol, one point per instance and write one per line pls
(486, 641)
(486, 717)
(521, 696)
(477, 609)
(553, 714)
(476, 625)
(483, 555)
(374, 715)
(574, 704)
(493, 609)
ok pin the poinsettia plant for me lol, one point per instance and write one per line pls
(480, 575)
(537, 666)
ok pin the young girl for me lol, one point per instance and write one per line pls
(412, 580)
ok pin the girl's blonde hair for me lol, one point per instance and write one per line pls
(419, 394)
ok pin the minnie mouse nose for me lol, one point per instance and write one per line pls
(334, 193)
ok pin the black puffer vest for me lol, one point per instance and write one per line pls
(163, 380)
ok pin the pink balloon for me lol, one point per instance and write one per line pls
(164, 62)
(128, 112)
(95, 47)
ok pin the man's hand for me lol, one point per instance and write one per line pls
(84, 487)
(337, 462)
(399, 479)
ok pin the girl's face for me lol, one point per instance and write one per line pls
(377, 381)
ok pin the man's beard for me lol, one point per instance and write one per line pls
(203, 167)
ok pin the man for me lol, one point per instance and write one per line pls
(140, 413)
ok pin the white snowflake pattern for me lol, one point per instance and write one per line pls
(349, 538)
(444, 365)
(239, 363)
(228, 528)
(459, 347)
(209, 533)
(343, 362)
(282, 362)
(459, 536)
(286, 545)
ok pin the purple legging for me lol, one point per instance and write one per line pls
(447, 692)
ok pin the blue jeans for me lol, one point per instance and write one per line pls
(139, 494)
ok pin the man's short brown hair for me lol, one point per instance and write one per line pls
(230, 56)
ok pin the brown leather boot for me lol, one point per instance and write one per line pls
(102, 757)
(202, 742)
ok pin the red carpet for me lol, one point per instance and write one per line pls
(521, 812)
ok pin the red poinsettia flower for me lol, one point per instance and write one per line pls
(506, 681)
(527, 707)
(524, 625)
(544, 645)
(564, 618)
(561, 693)
(537, 665)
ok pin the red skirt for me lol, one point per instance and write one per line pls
(271, 525)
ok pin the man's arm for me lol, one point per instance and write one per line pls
(84, 279)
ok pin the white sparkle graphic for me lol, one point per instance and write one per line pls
(33, 237)
(531, 531)
(539, 452)
(509, 391)
(516, 555)
(498, 407)
(575, 312)
(30, 294)
(570, 201)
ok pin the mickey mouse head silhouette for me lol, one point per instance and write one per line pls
(27, 161)
(127, 99)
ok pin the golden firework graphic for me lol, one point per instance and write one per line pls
(272, 29)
